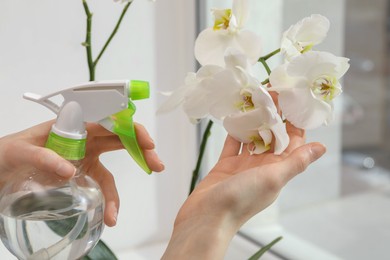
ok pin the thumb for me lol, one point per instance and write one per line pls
(300, 159)
(46, 160)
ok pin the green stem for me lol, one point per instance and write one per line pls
(265, 66)
(263, 61)
(113, 33)
(265, 82)
(87, 43)
(195, 173)
(261, 252)
(269, 55)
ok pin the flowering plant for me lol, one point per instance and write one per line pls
(101, 250)
(301, 90)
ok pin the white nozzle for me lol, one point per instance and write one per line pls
(70, 122)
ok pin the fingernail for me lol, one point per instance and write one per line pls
(66, 170)
(115, 216)
(162, 166)
(114, 213)
(317, 150)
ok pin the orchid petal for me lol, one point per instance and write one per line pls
(243, 126)
(302, 109)
(261, 97)
(280, 80)
(316, 63)
(240, 10)
(313, 29)
(282, 139)
(208, 71)
(303, 35)
(259, 148)
(173, 101)
(176, 98)
(198, 105)
(254, 127)
(250, 44)
(226, 106)
(210, 47)
(266, 135)
(234, 58)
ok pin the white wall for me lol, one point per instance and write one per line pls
(40, 52)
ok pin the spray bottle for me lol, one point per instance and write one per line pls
(42, 216)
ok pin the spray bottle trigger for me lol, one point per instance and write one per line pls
(124, 128)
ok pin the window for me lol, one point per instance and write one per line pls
(340, 207)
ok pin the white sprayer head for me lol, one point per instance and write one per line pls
(70, 122)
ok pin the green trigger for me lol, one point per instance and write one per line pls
(124, 128)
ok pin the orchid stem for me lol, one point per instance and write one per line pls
(265, 82)
(87, 44)
(269, 55)
(195, 173)
(263, 61)
(113, 33)
(265, 66)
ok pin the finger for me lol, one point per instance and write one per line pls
(143, 137)
(274, 96)
(292, 130)
(104, 144)
(107, 184)
(230, 148)
(153, 161)
(299, 160)
(297, 137)
(20, 153)
(246, 148)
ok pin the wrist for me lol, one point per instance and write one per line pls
(201, 237)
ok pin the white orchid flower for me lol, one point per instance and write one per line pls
(230, 89)
(214, 90)
(257, 126)
(302, 36)
(192, 95)
(212, 43)
(307, 86)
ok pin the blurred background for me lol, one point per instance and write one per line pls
(338, 209)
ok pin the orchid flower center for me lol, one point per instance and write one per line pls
(325, 88)
(257, 143)
(222, 19)
(246, 103)
(303, 48)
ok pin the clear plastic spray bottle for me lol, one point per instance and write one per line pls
(43, 216)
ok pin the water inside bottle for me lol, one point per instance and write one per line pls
(53, 224)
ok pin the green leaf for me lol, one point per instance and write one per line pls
(64, 226)
(264, 249)
(100, 252)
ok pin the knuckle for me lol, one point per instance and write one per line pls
(301, 163)
(41, 158)
(7, 152)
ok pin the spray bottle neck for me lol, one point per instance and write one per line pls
(67, 148)
(68, 135)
